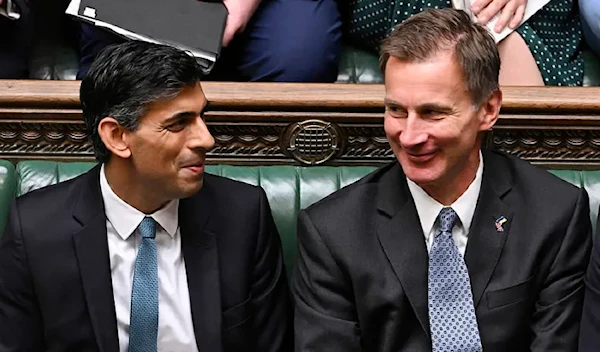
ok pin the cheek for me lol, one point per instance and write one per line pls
(452, 133)
(458, 141)
(163, 159)
(392, 128)
(469, 133)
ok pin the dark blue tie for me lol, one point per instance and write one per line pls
(143, 325)
(452, 318)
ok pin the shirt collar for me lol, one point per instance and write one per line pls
(125, 218)
(428, 208)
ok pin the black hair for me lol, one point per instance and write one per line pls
(125, 78)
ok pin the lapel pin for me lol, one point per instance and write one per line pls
(499, 222)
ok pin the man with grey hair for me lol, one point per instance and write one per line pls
(449, 248)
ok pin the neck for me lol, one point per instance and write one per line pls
(123, 182)
(449, 190)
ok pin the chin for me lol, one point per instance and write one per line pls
(422, 181)
(421, 177)
(189, 189)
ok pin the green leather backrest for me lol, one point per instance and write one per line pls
(289, 188)
(7, 190)
(590, 180)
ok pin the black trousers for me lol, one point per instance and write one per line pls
(16, 38)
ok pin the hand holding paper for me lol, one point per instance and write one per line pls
(496, 14)
(509, 12)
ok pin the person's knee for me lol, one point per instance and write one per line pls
(308, 59)
(15, 45)
(590, 12)
(303, 43)
(590, 17)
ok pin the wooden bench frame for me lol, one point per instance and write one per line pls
(304, 124)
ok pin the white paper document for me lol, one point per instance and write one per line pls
(10, 10)
(532, 7)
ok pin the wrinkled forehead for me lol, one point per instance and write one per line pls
(189, 99)
(437, 80)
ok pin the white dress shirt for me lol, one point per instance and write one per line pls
(429, 209)
(175, 328)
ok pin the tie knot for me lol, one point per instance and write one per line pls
(147, 227)
(447, 219)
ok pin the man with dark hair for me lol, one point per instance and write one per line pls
(144, 252)
(449, 248)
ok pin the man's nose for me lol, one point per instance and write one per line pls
(201, 136)
(413, 133)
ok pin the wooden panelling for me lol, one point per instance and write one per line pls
(290, 123)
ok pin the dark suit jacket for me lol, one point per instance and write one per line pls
(589, 338)
(361, 278)
(55, 281)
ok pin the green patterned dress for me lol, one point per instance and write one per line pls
(553, 34)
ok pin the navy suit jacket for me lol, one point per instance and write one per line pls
(361, 279)
(55, 282)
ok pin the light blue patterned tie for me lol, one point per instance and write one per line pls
(143, 326)
(452, 318)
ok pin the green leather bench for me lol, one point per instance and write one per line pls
(289, 188)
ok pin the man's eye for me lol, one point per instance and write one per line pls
(177, 126)
(396, 112)
(433, 114)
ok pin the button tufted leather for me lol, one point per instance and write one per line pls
(288, 188)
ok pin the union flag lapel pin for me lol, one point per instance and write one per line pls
(499, 222)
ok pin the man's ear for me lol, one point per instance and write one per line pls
(490, 110)
(113, 137)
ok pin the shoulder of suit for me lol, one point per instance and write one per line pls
(227, 184)
(56, 192)
(52, 204)
(525, 174)
(232, 191)
(346, 196)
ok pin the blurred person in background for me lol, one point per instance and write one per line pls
(264, 40)
(544, 50)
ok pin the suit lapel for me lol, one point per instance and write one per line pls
(403, 242)
(91, 247)
(486, 239)
(202, 266)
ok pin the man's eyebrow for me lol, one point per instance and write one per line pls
(391, 102)
(185, 115)
(446, 109)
